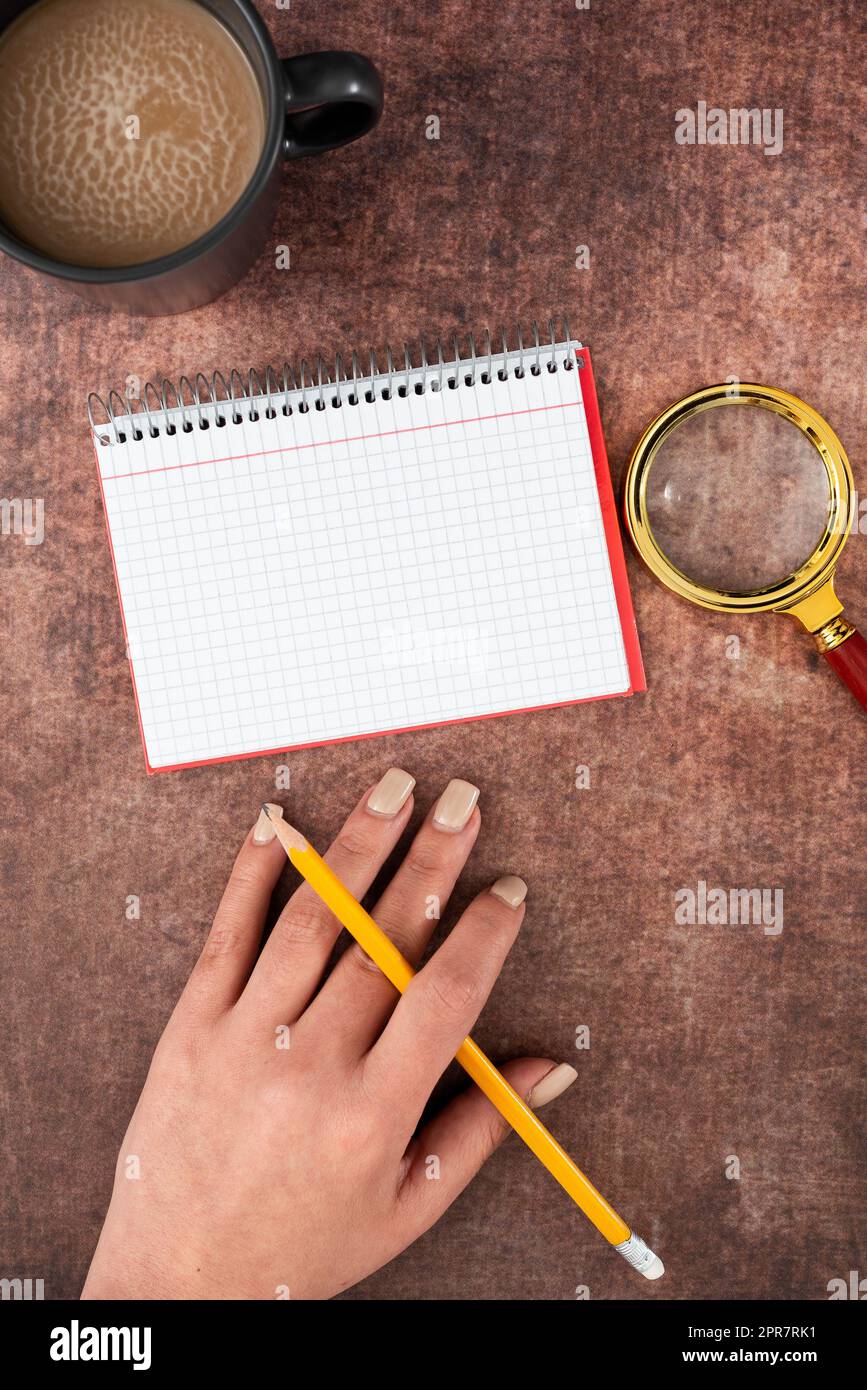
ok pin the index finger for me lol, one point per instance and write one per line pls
(293, 959)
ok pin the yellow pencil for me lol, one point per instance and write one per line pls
(384, 954)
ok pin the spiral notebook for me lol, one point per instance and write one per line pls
(307, 558)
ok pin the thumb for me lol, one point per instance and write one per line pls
(451, 1149)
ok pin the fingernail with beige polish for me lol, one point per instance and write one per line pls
(552, 1085)
(391, 793)
(511, 890)
(264, 832)
(455, 806)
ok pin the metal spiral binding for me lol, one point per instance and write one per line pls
(213, 401)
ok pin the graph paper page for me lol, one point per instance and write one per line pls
(332, 573)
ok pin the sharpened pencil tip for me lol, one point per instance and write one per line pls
(289, 837)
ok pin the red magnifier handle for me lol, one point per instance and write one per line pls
(849, 660)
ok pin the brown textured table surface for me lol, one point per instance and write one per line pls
(557, 129)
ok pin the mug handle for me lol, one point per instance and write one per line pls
(331, 98)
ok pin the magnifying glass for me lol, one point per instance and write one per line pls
(740, 499)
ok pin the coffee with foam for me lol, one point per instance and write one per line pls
(128, 128)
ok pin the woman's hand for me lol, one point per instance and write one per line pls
(273, 1152)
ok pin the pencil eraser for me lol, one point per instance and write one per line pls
(636, 1253)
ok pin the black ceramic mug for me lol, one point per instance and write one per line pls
(313, 103)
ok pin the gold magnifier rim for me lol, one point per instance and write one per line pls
(815, 570)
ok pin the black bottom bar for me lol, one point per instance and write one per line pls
(407, 1340)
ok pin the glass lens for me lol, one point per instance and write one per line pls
(737, 497)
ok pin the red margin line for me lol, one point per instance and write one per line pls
(330, 443)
